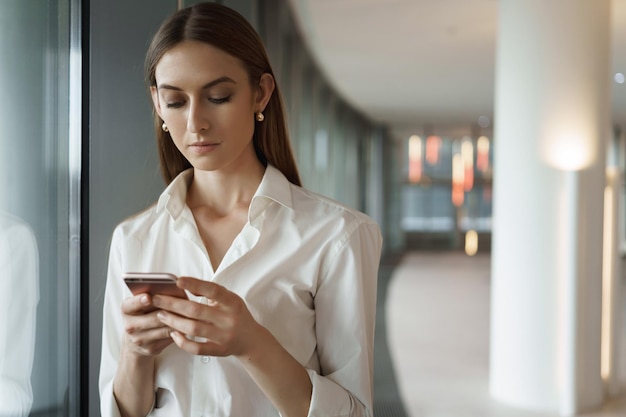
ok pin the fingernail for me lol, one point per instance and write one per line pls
(144, 300)
(156, 300)
(160, 315)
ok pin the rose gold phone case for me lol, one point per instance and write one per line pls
(153, 283)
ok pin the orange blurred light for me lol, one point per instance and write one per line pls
(458, 195)
(458, 180)
(415, 158)
(469, 179)
(467, 152)
(433, 146)
(482, 154)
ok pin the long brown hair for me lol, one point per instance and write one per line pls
(227, 30)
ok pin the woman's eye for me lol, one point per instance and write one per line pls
(174, 105)
(219, 100)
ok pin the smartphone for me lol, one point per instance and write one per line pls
(153, 283)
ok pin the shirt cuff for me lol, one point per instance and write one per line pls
(328, 398)
(108, 405)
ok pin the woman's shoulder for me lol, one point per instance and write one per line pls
(311, 203)
(139, 223)
(307, 205)
(332, 221)
(170, 202)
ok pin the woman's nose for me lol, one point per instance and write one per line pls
(197, 119)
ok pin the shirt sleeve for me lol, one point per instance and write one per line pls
(345, 308)
(112, 325)
(19, 295)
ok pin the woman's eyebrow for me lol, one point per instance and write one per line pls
(213, 83)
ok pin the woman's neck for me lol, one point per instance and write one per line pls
(223, 191)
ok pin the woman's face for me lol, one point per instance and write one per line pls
(205, 97)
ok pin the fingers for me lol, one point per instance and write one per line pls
(214, 325)
(213, 313)
(220, 327)
(139, 323)
(137, 304)
(151, 342)
(146, 337)
(145, 333)
(198, 348)
(210, 290)
(211, 332)
(221, 305)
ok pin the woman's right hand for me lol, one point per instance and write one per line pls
(144, 337)
(144, 333)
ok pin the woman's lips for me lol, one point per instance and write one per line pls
(202, 147)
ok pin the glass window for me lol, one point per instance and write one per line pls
(34, 208)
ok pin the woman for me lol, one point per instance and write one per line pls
(281, 281)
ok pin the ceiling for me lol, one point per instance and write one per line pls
(416, 63)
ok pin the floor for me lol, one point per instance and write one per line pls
(387, 401)
(443, 372)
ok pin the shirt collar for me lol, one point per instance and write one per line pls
(174, 197)
(274, 186)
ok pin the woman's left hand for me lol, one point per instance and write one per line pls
(224, 323)
(227, 328)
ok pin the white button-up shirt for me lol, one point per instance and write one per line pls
(306, 267)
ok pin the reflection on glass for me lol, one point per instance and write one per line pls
(19, 295)
(34, 195)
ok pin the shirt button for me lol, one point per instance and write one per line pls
(206, 359)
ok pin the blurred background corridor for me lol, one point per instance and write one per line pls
(486, 138)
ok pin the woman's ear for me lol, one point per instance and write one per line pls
(154, 93)
(264, 92)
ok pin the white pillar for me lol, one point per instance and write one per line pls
(551, 121)
(612, 293)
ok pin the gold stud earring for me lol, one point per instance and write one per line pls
(164, 127)
(260, 117)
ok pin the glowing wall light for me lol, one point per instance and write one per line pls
(433, 147)
(569, 152)
(471, 242)
(415, 158)
(467, 152)
(482, 154)
(569, 144)
(458, 180)
(608, 273)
